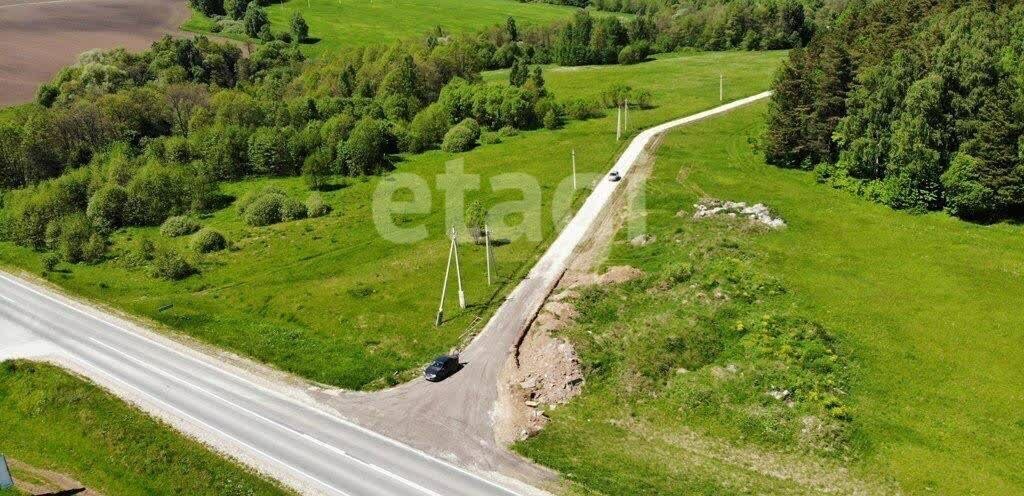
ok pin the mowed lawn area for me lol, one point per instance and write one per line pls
(330, 299)
(55, 421)
(338, 23)
(927, 310)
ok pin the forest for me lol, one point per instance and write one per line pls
(916, 104)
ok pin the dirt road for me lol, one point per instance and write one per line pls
(38, 37)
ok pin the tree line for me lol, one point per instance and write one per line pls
(917, 104)
(122, 139)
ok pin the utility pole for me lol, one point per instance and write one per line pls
(626, 125)
(458, 270)
(574, 169)
(453, 253)
(487, 251)
(618, 124)
(721, 87)
(444, 286)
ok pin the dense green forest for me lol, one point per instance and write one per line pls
(917, 104)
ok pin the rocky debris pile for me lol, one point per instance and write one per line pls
(643, 240)
(757, 213)
(543, 374)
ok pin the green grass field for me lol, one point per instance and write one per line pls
(331, 300)
(340, 23)
(55, 421)
(926, 308)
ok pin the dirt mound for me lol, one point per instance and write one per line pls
(544, 373)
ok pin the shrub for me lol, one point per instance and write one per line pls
(508, 131)
(315, 205)
(155, 192)
(461, 137)
(634, 53)
(489, 138)
(299, 28)
(74, 233)
(366, 150)
(50, 261)
(429, 127)
(264, 210)
(255, 19)
(179, 225)
(171, 266)
(94, 249)
(316, 170)
(106, 208)
(142, 251)
(581, 109)
(292, 209)
(208, 240)
(552, 120)
(268, 152)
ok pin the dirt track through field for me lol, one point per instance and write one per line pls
(38, 37)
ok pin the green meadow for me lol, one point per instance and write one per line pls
(337, 23)
(56, 421)
(330, 299)
(924, 312)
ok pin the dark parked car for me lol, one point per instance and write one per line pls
(442, 367)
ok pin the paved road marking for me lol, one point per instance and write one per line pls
(206, 425)
(8, 299)
(267, 420)
(375, 435)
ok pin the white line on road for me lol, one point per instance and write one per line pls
(375, 435)
(206, 425)
(8, 299)
(268, 420)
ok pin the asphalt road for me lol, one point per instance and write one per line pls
(314, 451)
(278, 428)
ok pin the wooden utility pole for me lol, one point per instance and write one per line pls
(458, 269)
(618, 124)
(627, 118)
(453, 253)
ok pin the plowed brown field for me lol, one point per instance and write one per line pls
(38, 37)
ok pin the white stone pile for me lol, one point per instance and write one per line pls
(758, 213)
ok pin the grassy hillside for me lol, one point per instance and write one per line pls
(338, 23)
(56, 421)
(925, 310)
(330, 299)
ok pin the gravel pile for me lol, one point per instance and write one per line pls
(758, 213)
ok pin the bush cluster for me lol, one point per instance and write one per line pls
(179, 225)
(208, 240)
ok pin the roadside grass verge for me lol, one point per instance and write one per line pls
(329, 298)
(57, 421)
(925, 310)
(338, 23)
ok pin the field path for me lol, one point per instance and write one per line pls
(39, 37)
